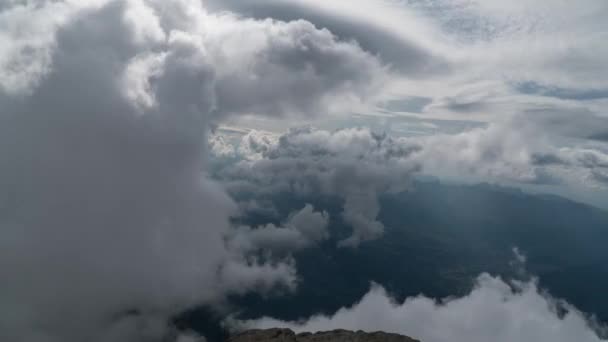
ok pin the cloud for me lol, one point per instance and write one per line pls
(27, 41)
(498, 152)
(109, 224)
(371, 25)
(354, 165)
(591, 163)
(357, 165)
(483, 61)
(494, 310)
(511, 152)
(241, 275)
(311, 224)
(302, 229)
(538, 66)
(294, 57)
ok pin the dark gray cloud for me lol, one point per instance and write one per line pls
(101, 208)
(109, 224)
(302, 229)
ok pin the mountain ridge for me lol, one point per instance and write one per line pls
(338, 335)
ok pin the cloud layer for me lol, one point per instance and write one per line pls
(493, 311)
(357, 165)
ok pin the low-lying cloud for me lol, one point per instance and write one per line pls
(357, 165)
(354, 165)
(302, 229)
(494, 310)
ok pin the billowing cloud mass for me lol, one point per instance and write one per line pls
(357, 165)
(373, 24)
(108, 223)
(302, 229)
(354, 165)
(494, 310)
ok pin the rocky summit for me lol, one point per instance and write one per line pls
(287, 335)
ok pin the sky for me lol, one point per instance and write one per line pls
(131, 130)
(524, 84)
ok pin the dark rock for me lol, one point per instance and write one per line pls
(286, 335)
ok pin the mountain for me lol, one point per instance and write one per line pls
(286, 335)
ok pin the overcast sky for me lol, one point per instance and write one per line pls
(531, 74)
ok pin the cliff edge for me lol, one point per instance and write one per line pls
(287, 335)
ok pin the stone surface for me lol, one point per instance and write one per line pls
(286, 335)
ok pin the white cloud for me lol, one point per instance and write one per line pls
(26, 42)
(498, 152)
(357, 165)
(352, 164)
(475, 59)
(493, 311)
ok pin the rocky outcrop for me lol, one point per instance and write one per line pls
(286, 335)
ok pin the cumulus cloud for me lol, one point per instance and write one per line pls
(489, 40)
(27, 40)
(302, 229)
(109, 224)
(372, 24)
(512, 152)
(494, 310)
(355, 165)
(497, 152)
